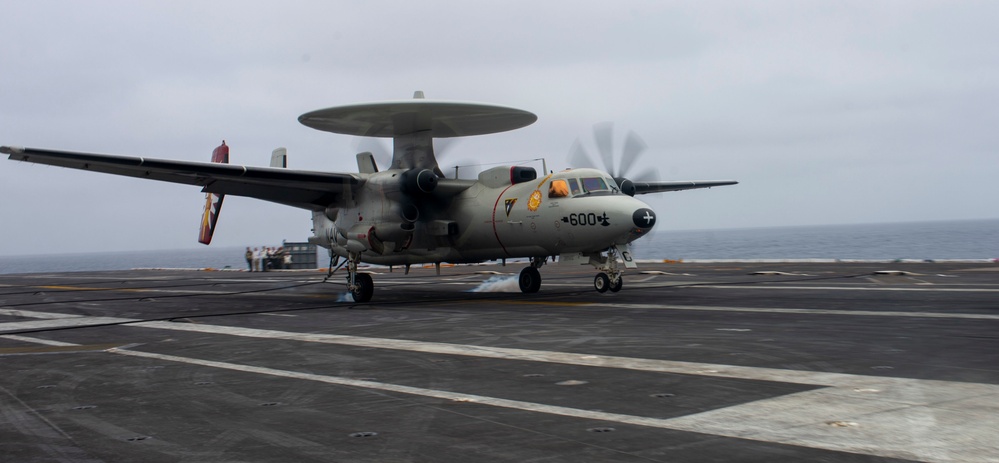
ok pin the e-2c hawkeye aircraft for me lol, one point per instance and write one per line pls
(410, 213)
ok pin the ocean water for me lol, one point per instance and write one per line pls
(965, 239)
(970, 239)
(204, 257)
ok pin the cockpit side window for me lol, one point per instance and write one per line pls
(573, 186)
(558, 189)
(592, 184)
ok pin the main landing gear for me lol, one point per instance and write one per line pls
(530, 277)
(360, 285)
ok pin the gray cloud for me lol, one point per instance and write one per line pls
(839, 112)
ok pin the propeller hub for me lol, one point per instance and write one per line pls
(627, 186)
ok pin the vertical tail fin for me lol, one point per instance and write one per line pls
(213, 202)
(279, 158)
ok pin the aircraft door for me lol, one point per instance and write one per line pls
(525, 219)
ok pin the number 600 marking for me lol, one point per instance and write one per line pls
(583, 219)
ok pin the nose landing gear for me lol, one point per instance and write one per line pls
(603, 282)
(610, 276)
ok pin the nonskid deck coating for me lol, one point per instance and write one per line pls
(690, 362)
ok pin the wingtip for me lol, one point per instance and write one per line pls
(11, 150)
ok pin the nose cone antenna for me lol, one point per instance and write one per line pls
(644, 218)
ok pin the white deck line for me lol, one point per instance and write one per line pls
(891, 417)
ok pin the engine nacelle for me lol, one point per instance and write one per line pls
(408, 211)
(404, 185)
(394, 232)
(415, 182)
(373, 238)
(626, 186)
(357, 238)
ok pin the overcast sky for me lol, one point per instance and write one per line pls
(826, 112)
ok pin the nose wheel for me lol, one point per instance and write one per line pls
(610, 277)
(617, 284)
(601, 283)
(604, 282)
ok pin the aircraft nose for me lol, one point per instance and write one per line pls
(644, 218)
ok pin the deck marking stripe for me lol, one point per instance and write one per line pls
(891, 429)
(814, 378)
(506, 353)
(874, 313)
(847, 288)
(912, 419)
(448, 395)
(47, 342)
(56, 323)
(33, 314)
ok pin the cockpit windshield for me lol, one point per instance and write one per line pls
(574, 186)
(569, 187)
(594, 184)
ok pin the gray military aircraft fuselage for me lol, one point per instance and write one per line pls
(411, 213)
(507, 212)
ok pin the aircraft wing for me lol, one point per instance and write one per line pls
(298, 188)
(660, 187)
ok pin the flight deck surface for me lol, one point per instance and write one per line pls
(689, 362)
